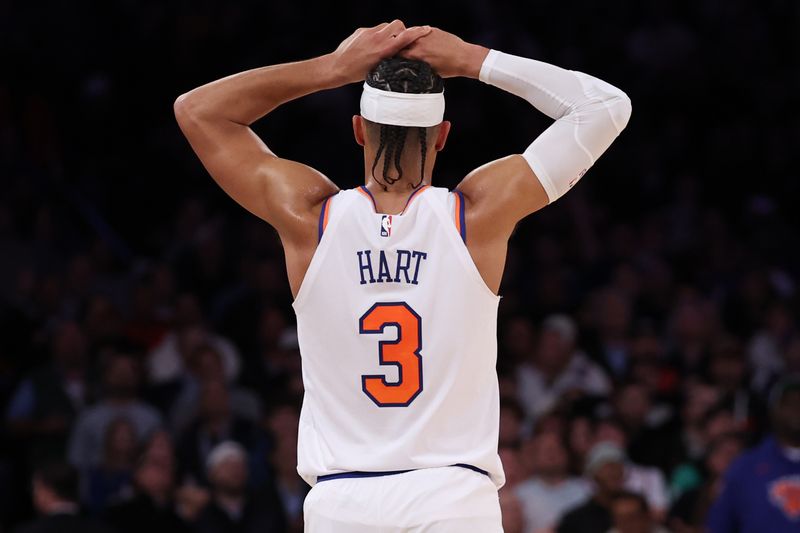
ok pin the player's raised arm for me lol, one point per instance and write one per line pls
(216, 120)
(588, 112)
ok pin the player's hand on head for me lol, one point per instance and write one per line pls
(442, 50)
(364, 49)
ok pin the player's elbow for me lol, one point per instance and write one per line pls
(183, 107)
(189, 108)
(620, 108)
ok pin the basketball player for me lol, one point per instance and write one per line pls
(396, 281)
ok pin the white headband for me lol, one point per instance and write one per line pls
(402, 109)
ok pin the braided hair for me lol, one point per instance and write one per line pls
(399, 74)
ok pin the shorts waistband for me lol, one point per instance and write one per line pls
(351, 475)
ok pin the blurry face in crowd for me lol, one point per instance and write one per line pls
(510, 423)
(607, 432)
(519, 338)
(214, 399)
(728, 371)
(121, 440)
(187, 311)
(155, 475)
(549, 455)
(284, 421)
(719, 424)
(191, 339)
(121, 376)
(633, 403)
(553, 351)
(699, 399)
(610, 477)
(580, 437)
(229, 477)
(722, 454)
(69, 345)
(786, 418)
(206, 363)
(691, 322)
(630, 517)
(615, 314)
(160, 446)
(271, 327)
(102, 320)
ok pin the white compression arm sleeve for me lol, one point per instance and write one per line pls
(589, 114)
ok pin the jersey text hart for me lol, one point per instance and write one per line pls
(390, 266)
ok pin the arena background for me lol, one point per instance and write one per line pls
(676, 257)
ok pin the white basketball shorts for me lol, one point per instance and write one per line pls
(450, 499)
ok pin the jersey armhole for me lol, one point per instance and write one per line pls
(324, 214)
(458, 215)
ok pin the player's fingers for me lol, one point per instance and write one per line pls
(394, 27)
(409, 35)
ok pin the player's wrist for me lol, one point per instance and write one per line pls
(471, 59)
(332, 73)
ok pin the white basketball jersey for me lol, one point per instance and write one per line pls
(398, 337)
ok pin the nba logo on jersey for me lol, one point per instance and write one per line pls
(386, 226)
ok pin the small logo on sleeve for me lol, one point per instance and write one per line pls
(386, 226)
(785, 494)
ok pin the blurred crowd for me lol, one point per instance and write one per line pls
(149, 370)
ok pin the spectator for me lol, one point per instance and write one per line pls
(688, 514)
(546, 496)
(286, 483)
(580, 435)
(630, 514)
(760, 490)
(728, 370)
(46, 403)
(699, 399)
(767, 345)
(511, 423)
(644, 480)
(151, 508)
(605, 465)
(717, 423)
(612, 325)
(233, 509)
(512, 467)
(558, 368)
(109, 480)
(693, 324)
(55, 496)
(205, 363)
(647, 426)
(215, 423)
(169, 358)
(121, 380)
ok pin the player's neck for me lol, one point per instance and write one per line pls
(401, 188)
(393, 198)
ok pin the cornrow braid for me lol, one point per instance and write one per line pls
(399, 74)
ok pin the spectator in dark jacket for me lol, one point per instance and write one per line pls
(234, 509)
(151, 509)
(606, 465)
(55, 496)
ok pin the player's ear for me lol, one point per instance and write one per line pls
(441, 137)
(359, 129)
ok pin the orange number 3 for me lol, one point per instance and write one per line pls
(404, 352)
